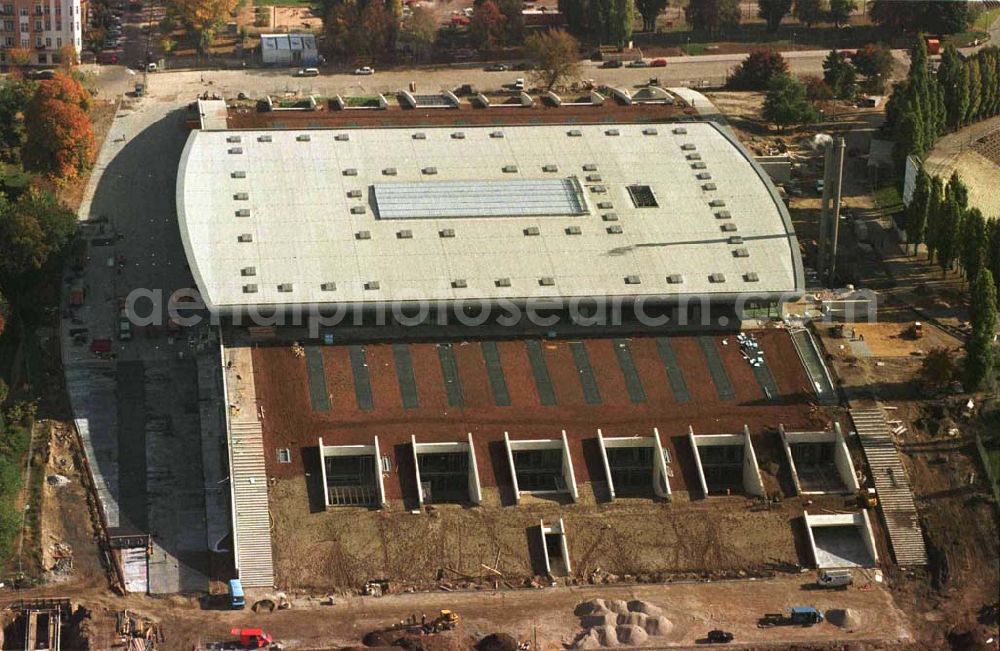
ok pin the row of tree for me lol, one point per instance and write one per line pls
(607, 21)
(926, 105)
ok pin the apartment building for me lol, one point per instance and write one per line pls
(40, 27)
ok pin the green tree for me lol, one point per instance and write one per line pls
(712, 16)
(956, 188)
(757, 70)
(650, 11)
(556, 56)
(575, 13)
(975, 90)
(953, 78)
(809, 12)
(935, 210)
(916, 212)
(950, 244)
(937, 368)
(773, 12)
(974, 241)
(840, 11)
(32, 230)
(979, 346)
(786, 102)
(488, 26)
(513, 13)
(993, 249)
(621, 17)
(838, 73)
(419, 32)
(875, 63)
(14, 97)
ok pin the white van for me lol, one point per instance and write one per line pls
(835, 579)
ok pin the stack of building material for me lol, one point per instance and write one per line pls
(750, 349)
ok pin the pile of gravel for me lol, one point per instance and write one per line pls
(631, 635)
(614, 622)
(497, 642)
(844, 618)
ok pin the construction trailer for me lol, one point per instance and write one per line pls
(726, 463)
(840, 540)
(820, 461)
(635, 466)
(446, 472)
(541, 467)
(352, 475)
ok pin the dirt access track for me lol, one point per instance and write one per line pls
(641, 536)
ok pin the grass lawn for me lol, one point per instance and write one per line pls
(986, 19)
(888, 199)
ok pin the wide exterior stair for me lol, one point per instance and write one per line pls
(895, 498)
(252, 535)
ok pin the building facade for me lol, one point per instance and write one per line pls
(40, 28)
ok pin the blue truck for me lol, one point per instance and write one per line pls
(794, 616)
(236, 599)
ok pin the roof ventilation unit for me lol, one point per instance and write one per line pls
(605, 205)
(350, 171)
(235, 150)
(239, 174)
(614, 230)
(728, 227)
(703, 176)
(510, 169)
(741, 253)
(723, 214)
(693, 157)
(546, 281)
(244, 238)
(420, 136)
(574, 133)
(650, 132)
(357, 210)
(405, 234)
(458, 135)
(250, 289)
(632, 280)
(354, 194)
(248, 271)
(708, 187)
(502, 282)
(243, 212)
(680, 131)
(363, 235)
(241, 196)
(751, 277)
(699, 165)
(342, 137)
(599, 189)
(531, 231)
(593, 178)
(459, 283)
(675, 279)
(372, 285)
(736, 239)
(234, 139)
(389, 171)
(429, 171)
(328, 287)
(285, 287)
(610, 217)
(590, 167)
(717, 278)
(303, 137)
(717, 203)
(264, 138)
(496, 134)
(447, 232)
(550, 168)
(688, 146)
(573, 230)
(612, 132)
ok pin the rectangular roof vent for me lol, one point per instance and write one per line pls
(632, 280)
(285, 287)
(741, 253)
(264, 138)
(429, 170)
(612, 132)
(717, 203)
(708, 187)
(550, 168)
(736, 239)
(573, 230)
(458, 135)
(723, 214)
(447, 232)
(510, 169)
(496, 134)
(698, 165)
(241, 196)
(250, 289)
(728, 227)
(614, 229)
(354, 194)
(650, 132)
(328, 287)
(350, 171)
(574, 133)
(405, 234)
(363, 235)
(234, 139)
(703, 176)
(248, 271)
(372, 285)
(502, 282)
(235, 150)
(546, 281)
(610, 217)
(605, 205)
(342, 137)
(593, 178)
(420, 136)
(717, 278)
(751, 277)
(680, 131)
(304, 137)
(590, 167)
(599, 189)
(459, 283)
(688, 146)
(357, 210)
(693, 157)
(239, 174)
(642, 196)
(389, 171)
(675, 279)
(244, 238)
(243, 212)
(531, 230)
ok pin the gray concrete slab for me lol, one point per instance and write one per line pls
(404, 373)
(591, 392)
(633, 383)
(723, 385)
(498, 383)
(840, 547)
(362, 380)
(319, 395)
(674, 374)
(452, 380)
(540, 372)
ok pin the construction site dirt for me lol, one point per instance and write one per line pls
(643, 538)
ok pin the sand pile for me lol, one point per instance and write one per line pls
(844, 618)
(614, 622)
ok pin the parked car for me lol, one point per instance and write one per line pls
(835, 578)
(638, 63)
(40, 74)
(820, 186)
(307, 72)
(718, 636)
(107, 58)
(497, 67)
(658, 63)
(524, 65)
(150, 67)
(364, 70)
(612, 63)
(519, 83)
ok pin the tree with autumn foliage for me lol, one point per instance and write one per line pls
(64, 88)
(488, 26)
(19, 58)
(556, 55)
(60, 138)
(203, 17)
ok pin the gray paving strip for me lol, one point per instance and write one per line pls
(539, 370)
(318, 395)
(132, 473)
(674, 374)
(498, 384)
(766, 381)
(633, 384)
(723, 385)
(452, 381)
(587, 380)
(362, 383)
(404, 373)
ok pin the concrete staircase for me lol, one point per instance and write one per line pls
(899, 512)
(252, 535)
